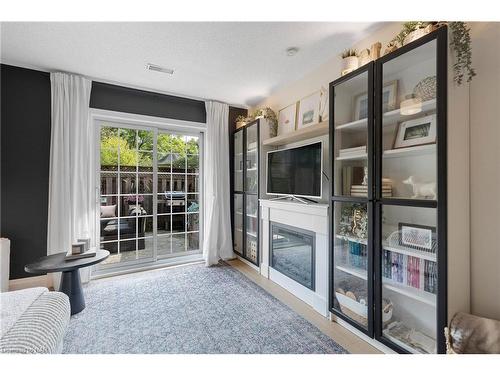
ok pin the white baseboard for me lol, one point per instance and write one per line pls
(31, 282)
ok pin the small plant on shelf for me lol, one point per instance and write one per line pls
(350, 52)
(350, 61)
(268, 114)
(241, 121)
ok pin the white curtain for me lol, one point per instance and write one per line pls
(217, 243)
(72, 175)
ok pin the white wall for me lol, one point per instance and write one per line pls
(458, 170)
(485, 170)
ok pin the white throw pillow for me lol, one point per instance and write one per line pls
(108, 211)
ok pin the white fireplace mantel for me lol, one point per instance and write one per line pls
(311, 217)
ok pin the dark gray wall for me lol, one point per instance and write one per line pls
(123, 99)
(25, 140)
(25, 153)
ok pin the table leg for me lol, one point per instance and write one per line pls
(72, 287)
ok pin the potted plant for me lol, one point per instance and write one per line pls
(350, 61)
(268, 114)
(240, 121)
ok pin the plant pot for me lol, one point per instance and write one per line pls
(416, 34)
(349, 64)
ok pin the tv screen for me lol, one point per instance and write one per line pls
(295, 171)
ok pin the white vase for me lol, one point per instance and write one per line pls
(349, 64)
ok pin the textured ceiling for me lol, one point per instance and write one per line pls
(238, 63)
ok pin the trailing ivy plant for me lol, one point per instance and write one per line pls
(461, 43)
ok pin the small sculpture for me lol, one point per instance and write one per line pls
(422, 189)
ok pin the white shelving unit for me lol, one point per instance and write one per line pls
(355, 157)
(410, 151)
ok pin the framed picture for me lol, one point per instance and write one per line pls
(416, 132)
(287, 119)
(389, 102)
(309, 110)
(420, 237)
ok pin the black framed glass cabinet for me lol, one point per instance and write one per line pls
(245, 191)
(388, 205)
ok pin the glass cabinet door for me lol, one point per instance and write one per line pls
(252, 159)
(238, 161)
(352, 122)
(238, 224)
(251, 225)
(407, 253)
(409, 277)
(350, 274)
(409, 126)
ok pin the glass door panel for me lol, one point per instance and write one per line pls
(351, 260)
(238, 223)
(252, 159)
(251, 225)
(238, 161)
(149, 194)
(351, 121)
(126, 202)
(409, 125)
(409, 277)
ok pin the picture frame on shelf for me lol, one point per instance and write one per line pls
(416, 236)
(309, 109)
(287, 118)
(324, 104)
(389, 101)
(416, 132)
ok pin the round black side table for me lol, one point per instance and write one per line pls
(71, 284)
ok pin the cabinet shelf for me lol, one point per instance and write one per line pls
(355, 157)
(389, 118)
(298, 135)
(408, 291)
(393, 248)
(410, 151)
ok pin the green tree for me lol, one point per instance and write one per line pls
(109, 152)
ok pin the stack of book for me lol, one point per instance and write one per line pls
(362, 190)
(352, 152)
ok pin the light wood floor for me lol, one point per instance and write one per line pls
(352, 343)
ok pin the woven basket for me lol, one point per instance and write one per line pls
(426, 88)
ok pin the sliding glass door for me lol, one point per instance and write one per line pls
(150, 197)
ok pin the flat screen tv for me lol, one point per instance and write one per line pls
(295, 171)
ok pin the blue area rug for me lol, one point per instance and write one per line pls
(190, 309)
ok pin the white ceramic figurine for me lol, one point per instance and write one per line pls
(422, 189)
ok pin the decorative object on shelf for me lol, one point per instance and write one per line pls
(390, 47)
(394, 240)
(354, 221)
(365, 177)
(287, 118)
(241, 121)
(364, 57)
(86, 242)
(356, 308)
(420, 237)
(426, 190)
(426, 89)
(389, 101)
(375, 50)
(411, 105)
(410, 338)
(268, 114)
(412, 31)
(349, 61)
(253, 251)
(351, 175)
(309, 108)
(416, 132)
(77, 248)
(323, 105)
(362, 190)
